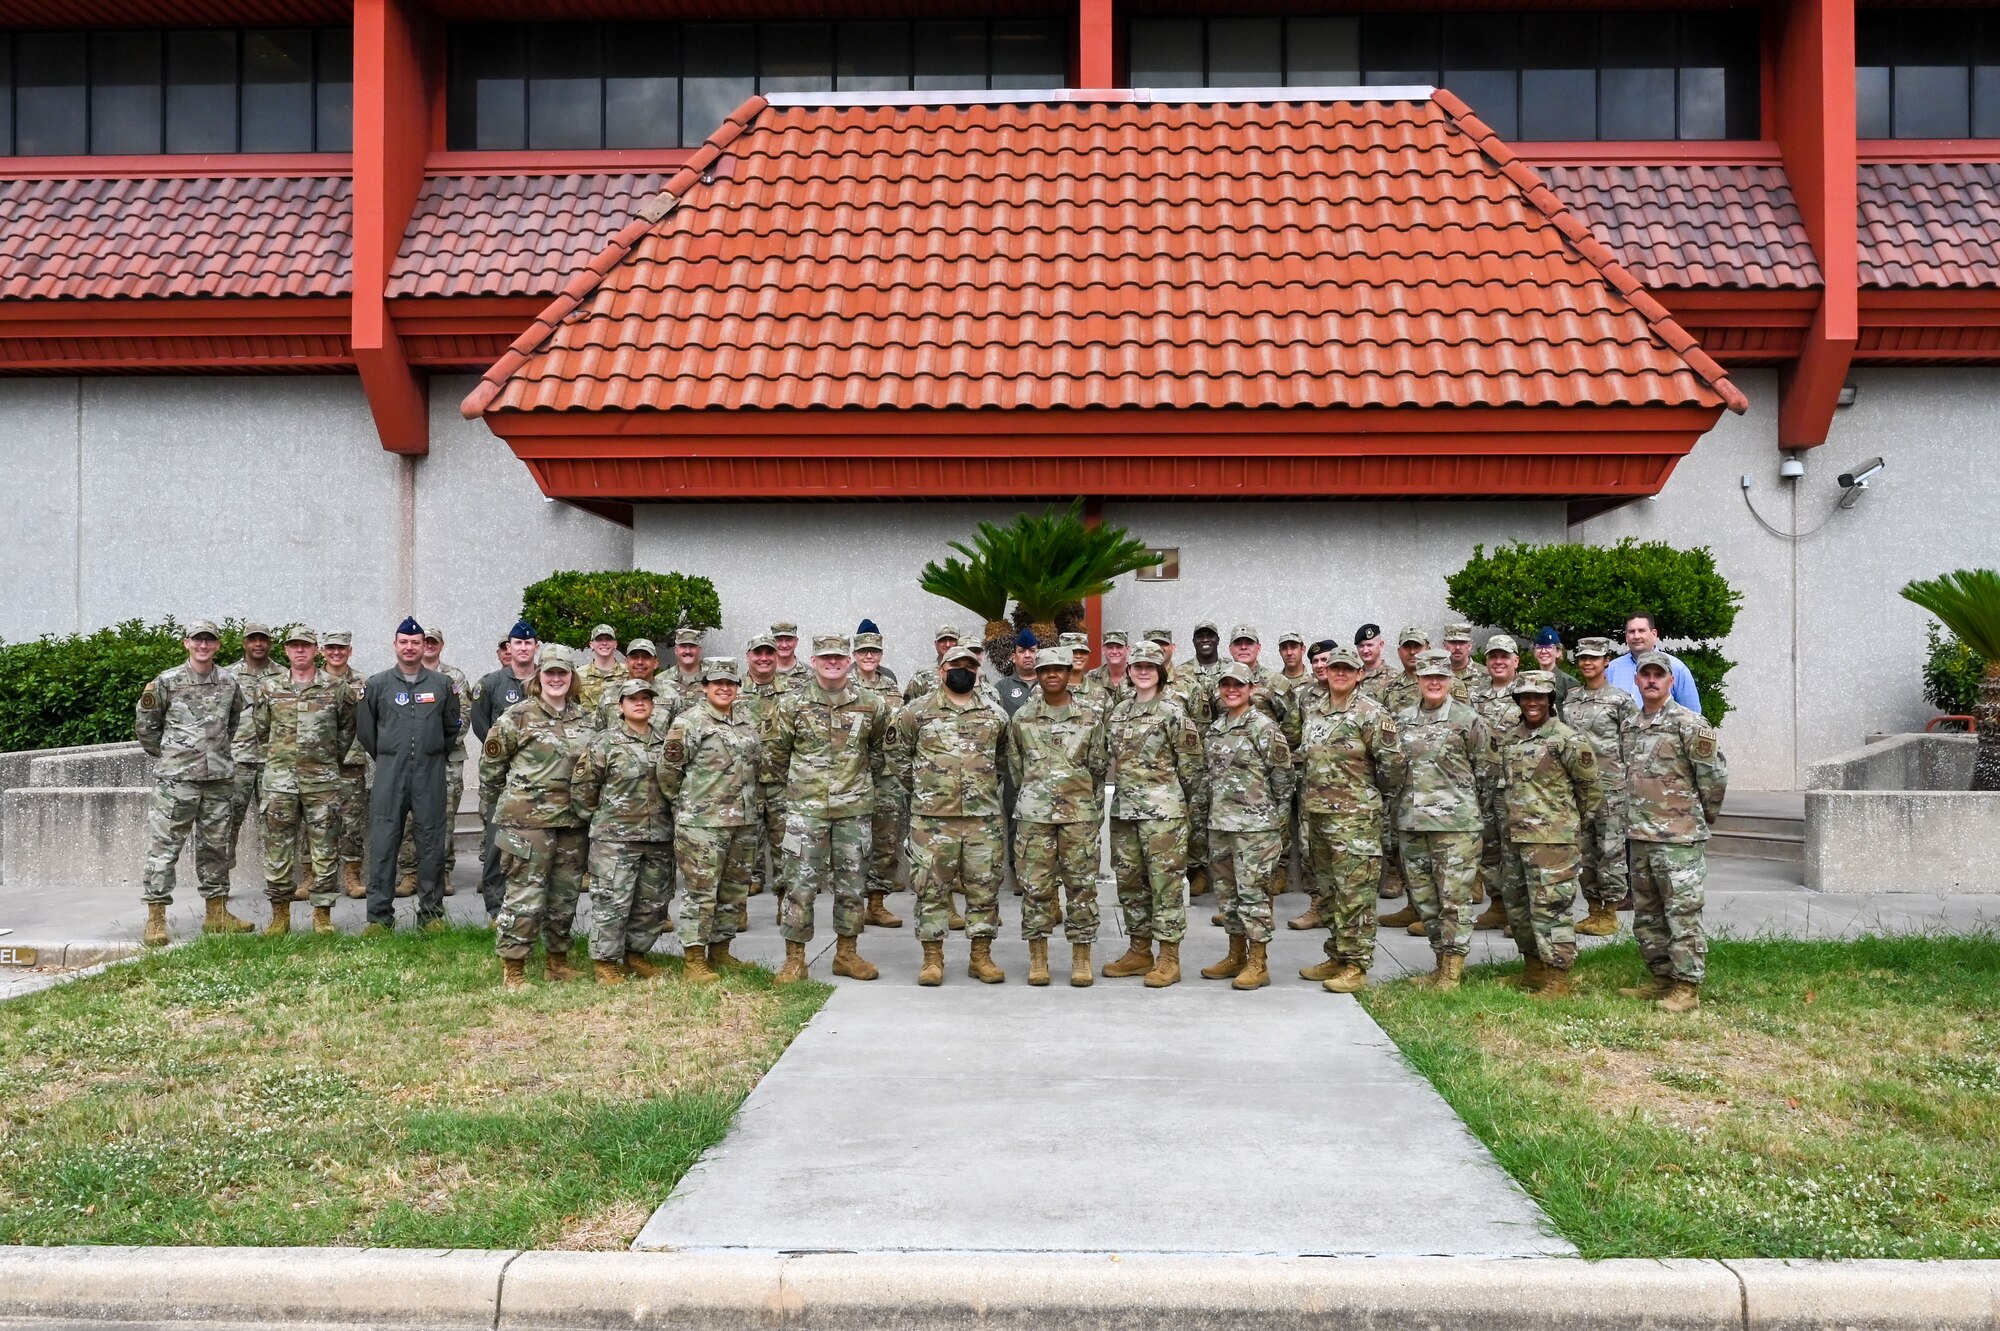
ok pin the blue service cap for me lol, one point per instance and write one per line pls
(1027, 639)
(1548, 637)
(866, 626)
(410, 625)
(523, 629)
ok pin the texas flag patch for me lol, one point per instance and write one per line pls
(427, 697)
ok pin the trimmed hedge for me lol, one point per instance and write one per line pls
(81, 689)
(565, 607)
(1587, 591)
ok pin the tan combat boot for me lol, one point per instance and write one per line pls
(1530, 978)
(742, 917)
(1493, 917)
(1166, 970)
(1555, 983)
(406, 885)
(637, 964)
(1400, 919)
(351, 878)
(513, 973)
(1326, 970)
(281, 918)
(1450, 973)
(556, 968)
(1197, 882)
(695, 968)
(608, 972)
(1281, 882)
(1680, 997)
(322, 919)
(722, 962)
(1392, 885)
(1254, 975)
(1038, 961)
(156, 924)
(1231, 965)
(981, 967)
(794, 968)
(1654, 989)
(931, 973)
(1417, 929)
(1309, 920)
(373, 930)
(953, 920)
(877, 915)
(1347, 980)
(220, 921)
(1218, 919)
(302, 892)
(848, 961)
(1138, 959)
(1080, 974)
(1601, 922)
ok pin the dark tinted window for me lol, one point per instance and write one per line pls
(334, 91)
(721, 73)
(278, 110)
(873, 57)
(565, 88)
(487, 88)
(1028, 53)
(1927, 74)
(51, 94)
(642, 87)
(201, 91)
(125, 92)
(950, 53)
(6, 93)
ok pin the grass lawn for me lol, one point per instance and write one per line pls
(340, 1091)
(1828, 1100)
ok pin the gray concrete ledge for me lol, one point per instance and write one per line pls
(551, 1291)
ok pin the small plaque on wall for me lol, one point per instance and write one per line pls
(1167, 570)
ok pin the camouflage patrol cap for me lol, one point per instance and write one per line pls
(764, 640)
(965, 654)
(1595, 647)
(1458, 633)
(1342, 656)
(1291, 635)
(720, 670)
(1053, 658)
(1236, 673)
(1075, 642)
(1501, 642)
(1244, 633)
(687, 637)
(784, 628)
(1640, 660)
(1533, 681)
(629, 688)
(553, 656)
(867, 640)
(201, 626)
(338, 638)
(1159, 635)
(832, 644)
(1208, 626)
(1115, 638)
(1410, 635)
(1147, 654)
(255, 630)
(946, 631)
(1433, 663)
(302, 634)
(604, 631)
(432, 633)
(641, 647)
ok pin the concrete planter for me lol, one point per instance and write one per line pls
(1896, 817)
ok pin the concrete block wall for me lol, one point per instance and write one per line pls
(57, 835)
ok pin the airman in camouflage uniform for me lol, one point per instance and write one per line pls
(337, 647)
(1352, 767)
(1599, 711)
(709, 769)
(1675, 780)
(1548, 793)
(785, 638)
(596, 676)
(1192, 684)
(686, 674)
(1250, 778)
(1081, 686)
(1057, 757)
(1493, 698)
(616, 787)
(454, 775)
(762, 685)
(926, 679)
(303, 727)
(1112, 676)
(247, 786)
(1398, 692)
(1376, 676)
(886, 822)
(1458, 642)
(951, 744)
(528, 761)
(1441, 813)
(1160, 775)
(829, 747)
(187, 717)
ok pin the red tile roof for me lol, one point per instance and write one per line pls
(1693, 225)
(83, 238)
(1930, 224)
(512, 235)
(1103, 253)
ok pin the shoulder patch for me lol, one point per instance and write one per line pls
(493, 748)
(1703, 747)
(674, 751)
(151, 697)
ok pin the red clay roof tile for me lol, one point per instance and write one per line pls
(512, 235)
(1695, 226)
(85, 238)
(1930, 224)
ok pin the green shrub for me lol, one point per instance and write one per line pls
(1951, 673)
(1587, 591)
(565, 607)
(81, 689)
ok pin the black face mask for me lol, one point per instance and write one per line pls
(960, 680)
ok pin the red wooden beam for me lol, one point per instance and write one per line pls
(1093, 606)
(1096, 44)
(392, 106)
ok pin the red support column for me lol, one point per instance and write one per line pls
(1815, 125)
(1096, 41)
(392, 129)
(1093, 606)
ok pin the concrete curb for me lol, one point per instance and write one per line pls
(74, 955)
(554, 1291)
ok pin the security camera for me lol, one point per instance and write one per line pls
(1862, 474)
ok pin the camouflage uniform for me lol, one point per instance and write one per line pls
(1352, 768)
(616, 786)
(1440, 816)
(303, 730)
(1113, 691)
(1193, 687)
(189, 722)
(1161, 778)
(527, 763)
(595, 685)
(247, 786)
(891, 812)
(829, 752)
(709, 769)
(1675, 778)
(352, 810)
(1250, 779)
(1600, 716)
(454, 786)
(951, 757)
(764, 702)
(1548, 790)
(1056, 758)
(1496, 707)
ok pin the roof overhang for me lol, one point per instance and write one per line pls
(293, 335)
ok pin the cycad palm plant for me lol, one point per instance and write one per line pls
(970, 582)
(1051, 562)
(1968, 603)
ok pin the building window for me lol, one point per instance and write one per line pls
(1558, 75)
(1927, 74)
(669, 85)
(208, 90)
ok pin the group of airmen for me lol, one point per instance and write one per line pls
(601, 771)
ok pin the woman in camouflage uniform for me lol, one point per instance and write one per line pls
(1159, 776)
(708, 771)
(616, 786)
